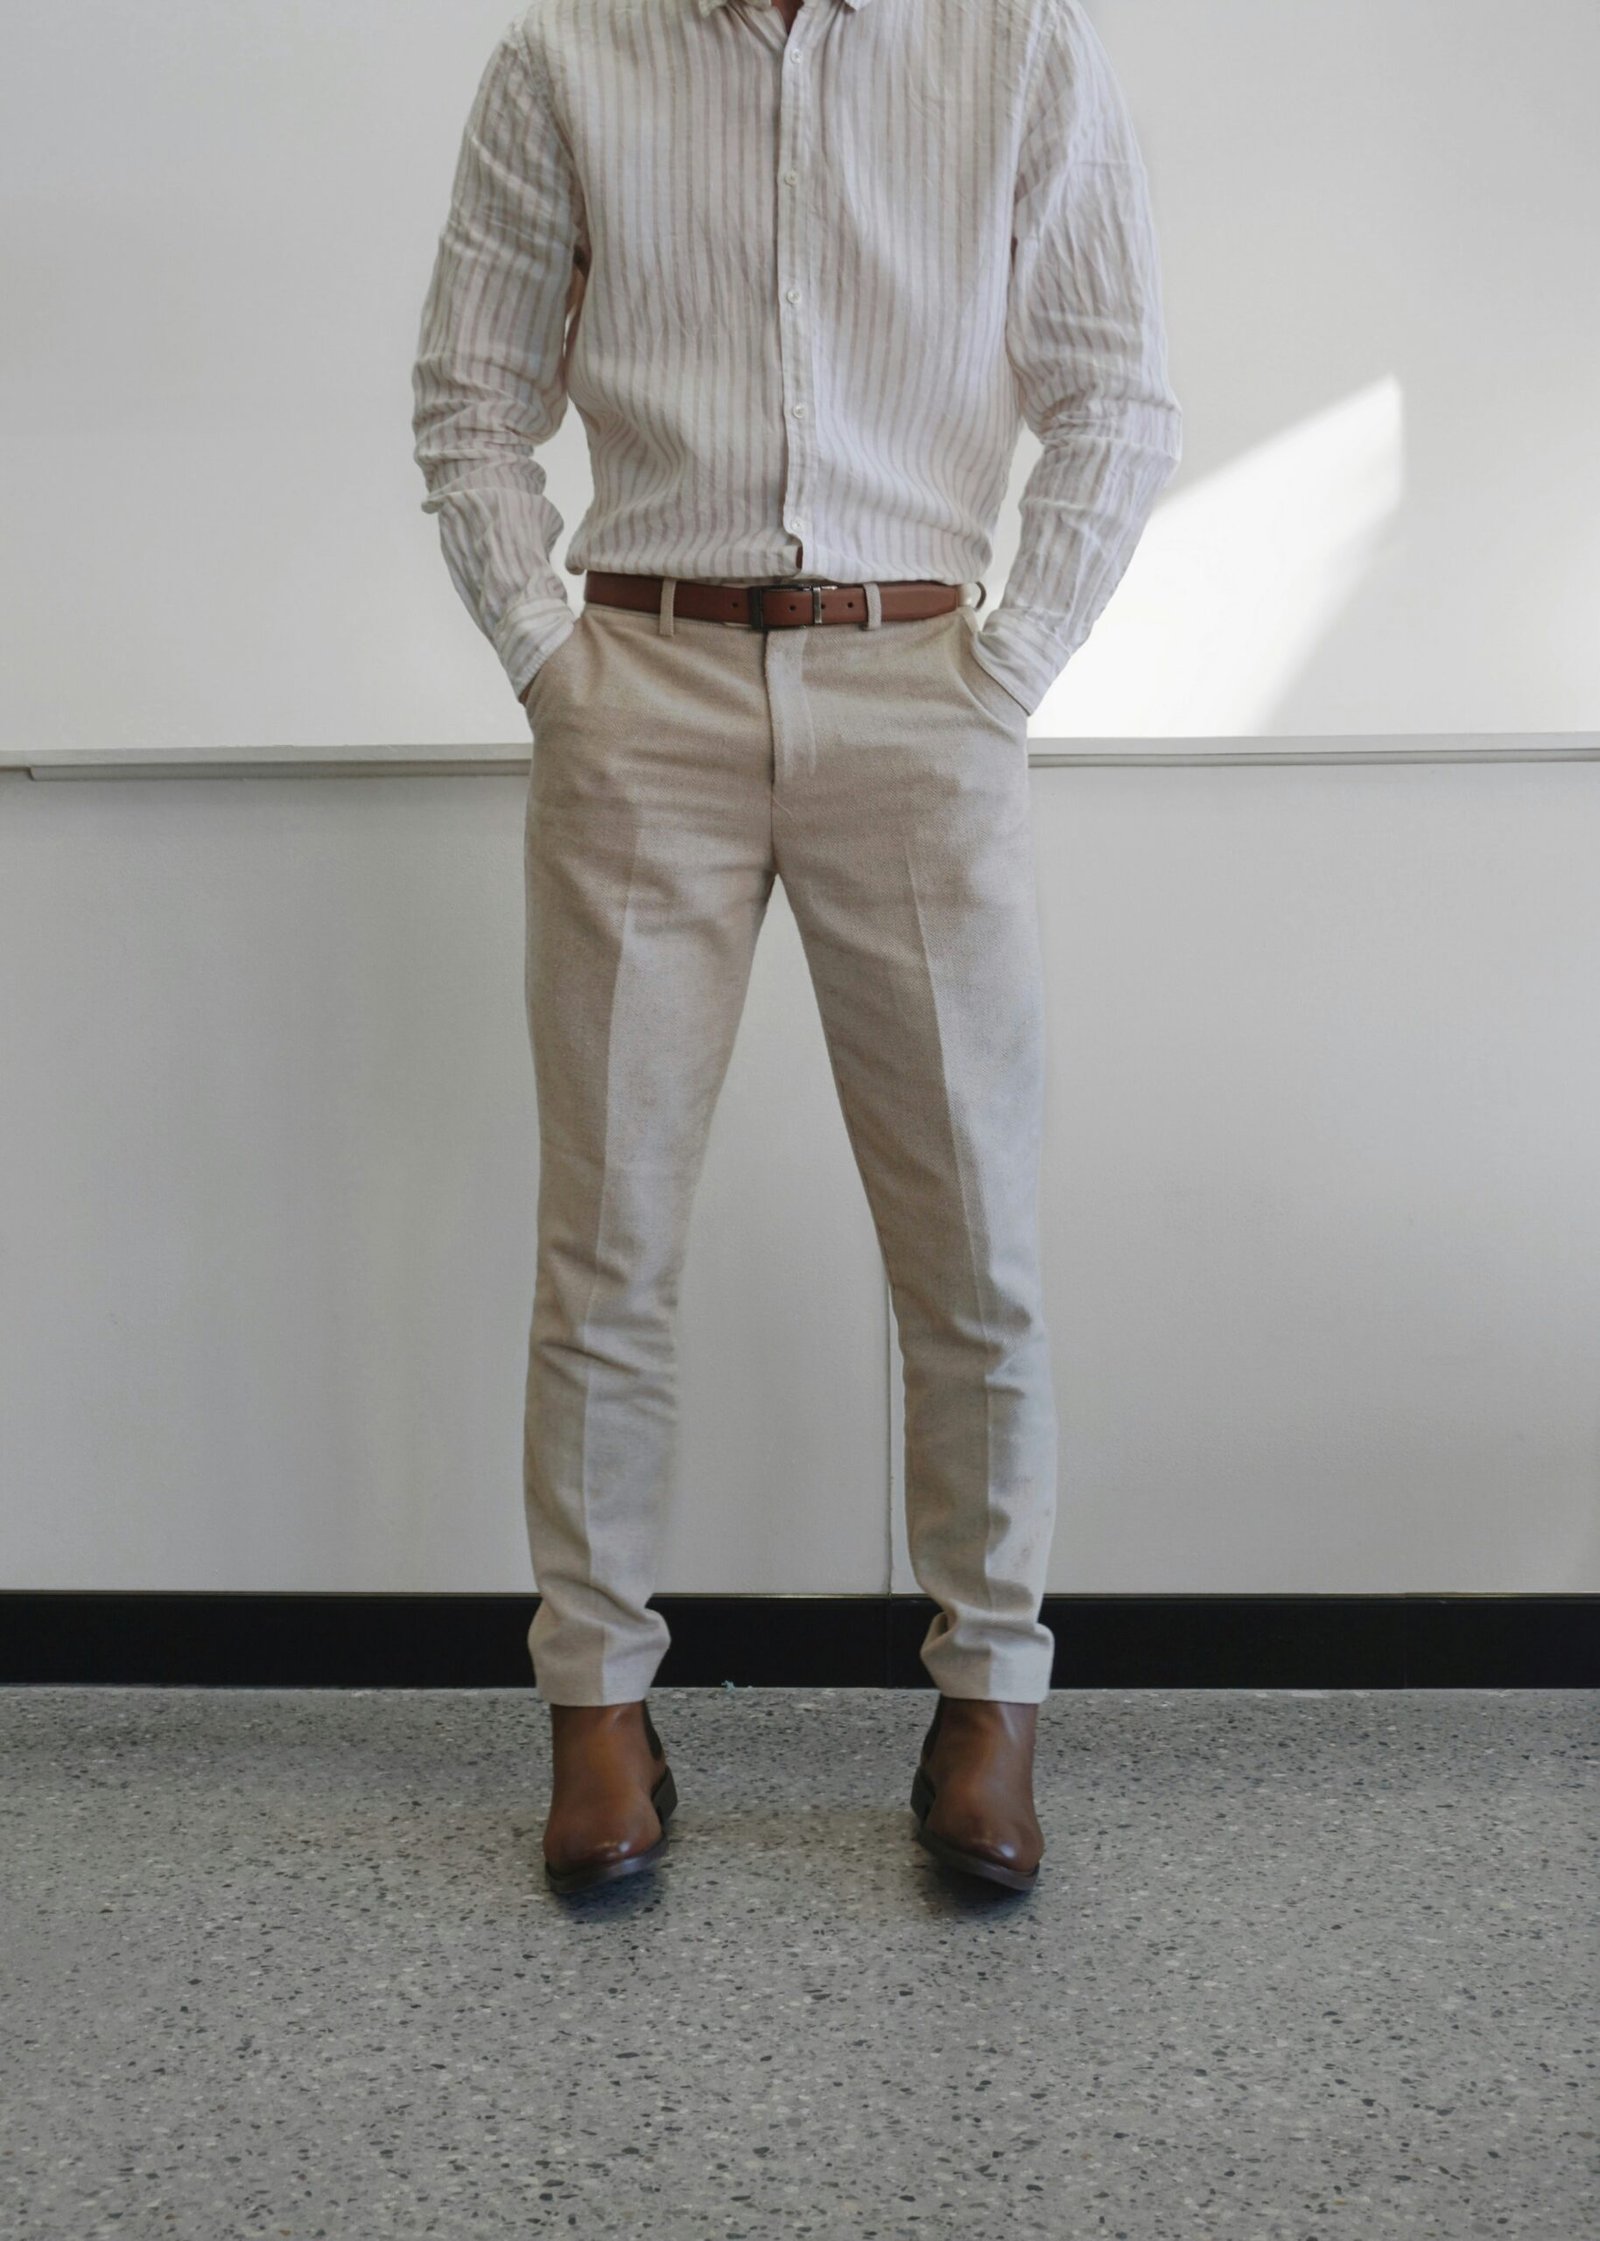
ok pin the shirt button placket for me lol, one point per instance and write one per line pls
(793, 149)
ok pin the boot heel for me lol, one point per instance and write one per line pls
(664, 1797)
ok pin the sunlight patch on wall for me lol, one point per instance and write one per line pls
(1237, 581)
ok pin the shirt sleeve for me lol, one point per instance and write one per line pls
(489, 381)
(1085, 335)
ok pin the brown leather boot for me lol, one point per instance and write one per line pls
(972, 1792)
(612, 1794)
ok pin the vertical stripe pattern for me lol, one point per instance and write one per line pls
(803, 291)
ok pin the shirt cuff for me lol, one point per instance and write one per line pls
(528, 634)
(1023, 651)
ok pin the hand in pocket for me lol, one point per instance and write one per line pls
(531, 691)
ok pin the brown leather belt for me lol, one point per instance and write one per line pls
(771, 606)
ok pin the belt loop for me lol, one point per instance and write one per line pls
(665, 619)
(874, 607)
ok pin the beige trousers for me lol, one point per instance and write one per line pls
(678, 766)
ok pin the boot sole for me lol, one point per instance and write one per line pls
(952, 1856)
(664, 1797)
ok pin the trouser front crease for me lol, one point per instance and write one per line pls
(676, 772)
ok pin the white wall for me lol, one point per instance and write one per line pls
(1321, 1205)
(1321, 1213)
(1378, 223)
(1377, 220)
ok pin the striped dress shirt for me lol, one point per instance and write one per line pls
(803, 289)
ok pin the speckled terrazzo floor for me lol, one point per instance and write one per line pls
(280, 1963)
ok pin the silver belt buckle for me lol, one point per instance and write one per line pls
(758, 594)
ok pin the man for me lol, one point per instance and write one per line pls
(803, 269)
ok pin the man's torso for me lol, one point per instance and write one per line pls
(798, 237)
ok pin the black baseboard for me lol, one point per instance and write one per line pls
(197, 1640)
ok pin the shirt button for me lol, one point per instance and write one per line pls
(790, 177)
(799, 412)
(794, 295)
